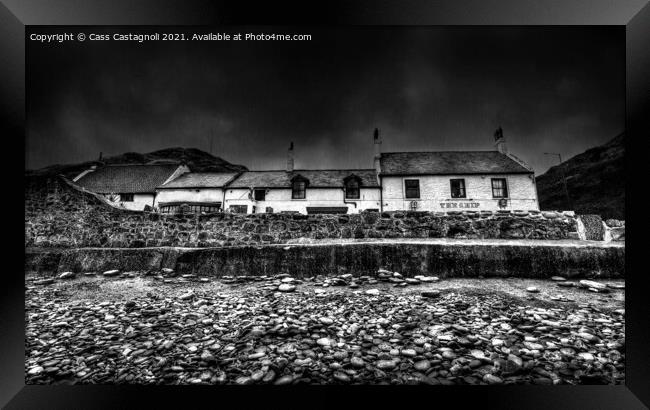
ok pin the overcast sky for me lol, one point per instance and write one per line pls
(551, 89)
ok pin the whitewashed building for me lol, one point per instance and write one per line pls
(419, 181)
(198, 191)
(304, 191)
(455, 180)
(127, 185)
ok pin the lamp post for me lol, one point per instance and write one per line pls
(566, 189)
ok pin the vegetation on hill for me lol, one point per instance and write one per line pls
(595, 181)
(195, 159)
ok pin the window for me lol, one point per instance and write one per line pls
(298, 189)
(352, 189)
(458, 188)
(499, 188)
(126, 197)
(260, 194)
(239, 209)
(412, 188)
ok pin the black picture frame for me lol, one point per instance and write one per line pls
(16, 14)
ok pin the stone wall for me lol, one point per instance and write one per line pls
(488, 259)
(60, 214)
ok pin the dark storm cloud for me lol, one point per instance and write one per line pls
(551, 89)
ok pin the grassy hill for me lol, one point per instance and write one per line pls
(195, 159)
(595, 180)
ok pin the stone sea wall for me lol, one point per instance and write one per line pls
(60, 214)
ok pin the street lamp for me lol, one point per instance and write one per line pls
(566, 189)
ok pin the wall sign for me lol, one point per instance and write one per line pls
(459, 204)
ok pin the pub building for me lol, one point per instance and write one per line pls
(399, 181)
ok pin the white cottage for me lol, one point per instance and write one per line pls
(199, 191)
(130, 186)
(304, 191)
(455, 180)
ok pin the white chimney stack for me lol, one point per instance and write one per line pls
(290, 158)
(377, 142)
(500, 141)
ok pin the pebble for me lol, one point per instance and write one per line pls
(492, 379)
(430, 294)
(409, 353)
(558, 278)
(112, 272)
(422, 365)
(286, 287)
(532, 289)
(386, 364)
(67, 275)
(324, 341)
(593, 285)
(186, 296)
(245, 336)
(326, 320)
(44, 282)
(373, 292)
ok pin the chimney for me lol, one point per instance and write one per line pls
(377, 142)
(290, 158)
(500, 141)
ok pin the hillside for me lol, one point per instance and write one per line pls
(196, 160)
(595, 180)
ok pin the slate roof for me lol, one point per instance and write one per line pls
(127, 178)
(201, 180)
(449, 162)
(318, 178)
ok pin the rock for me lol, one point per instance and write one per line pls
(112, 272)
(589, 337)
(286, 379)
(386, 364)
(532, 289)
(187, 296)
(427, 278)
(286, 287)
(566, 284)
(513, 364)
(326, 320)
(422, 365)
(167, 271)
(558, 278)
(43, 282)
(409, 353)
(324, 341)
(35, 370)
(593, 284)
(287, 280)
(412, 281)
(357, 361)
(67, 275)
(373, 292)
(497, 342)
(492, 379)
(342, 377)
(448, 355)
(430, 294)
(587, 356)
(616, 285)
